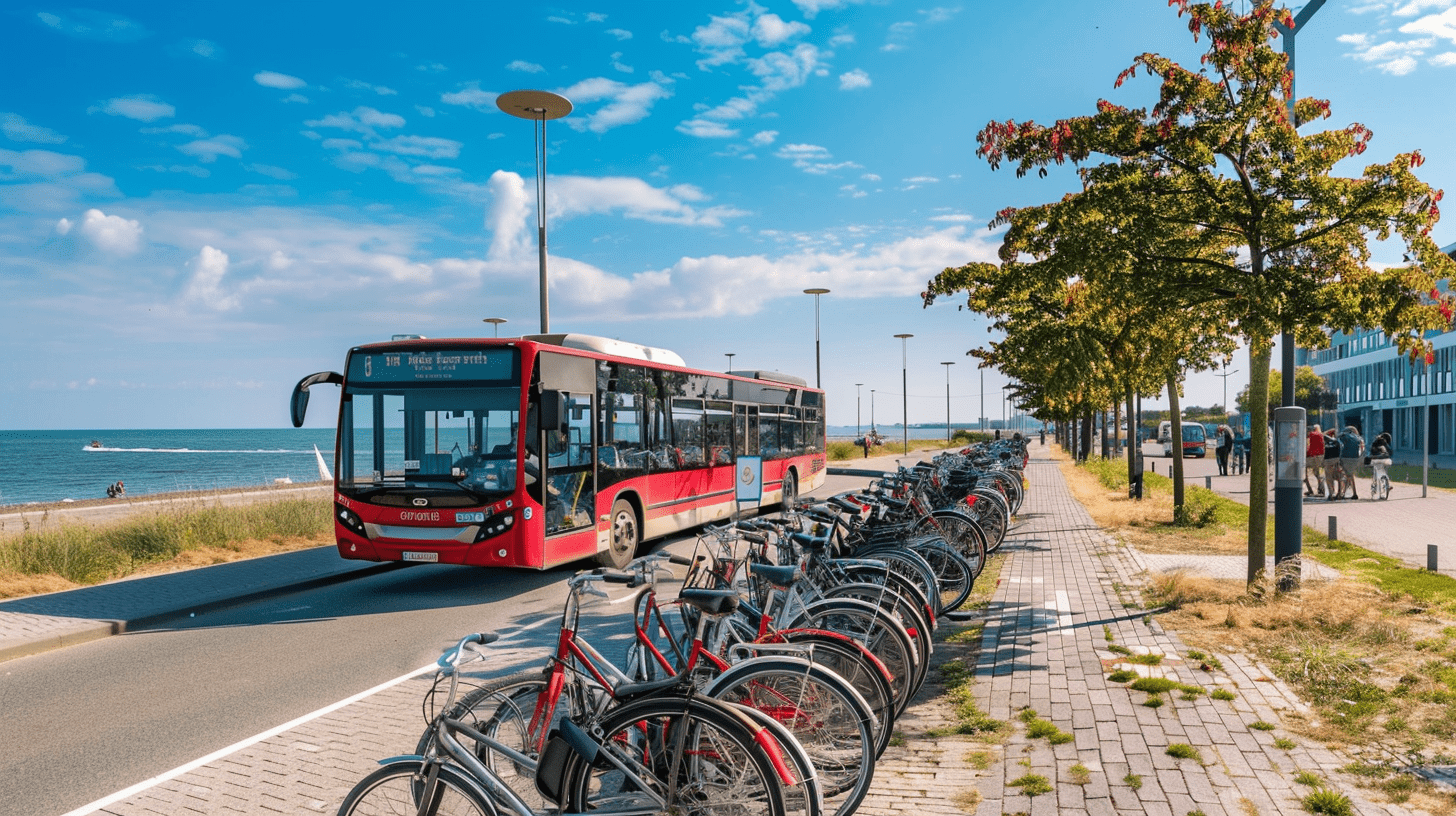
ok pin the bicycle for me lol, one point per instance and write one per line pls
(669, 750)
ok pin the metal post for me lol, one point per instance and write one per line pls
(816, 292)
(905, 391)
(857, 434)
(730, 355)
(539, 107)
(1431, 558)
(947, 402)
(1288, 500)
(1426, 440)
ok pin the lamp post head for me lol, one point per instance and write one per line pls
(536, 105)
(496, 322)
(816, 291)
(903, 336)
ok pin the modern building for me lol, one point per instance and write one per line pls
(1379, 389)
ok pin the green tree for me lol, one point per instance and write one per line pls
(1260, 221)
(1309, 391)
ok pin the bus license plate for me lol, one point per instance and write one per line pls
(422, 556)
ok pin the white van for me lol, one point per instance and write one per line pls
(1195, 439)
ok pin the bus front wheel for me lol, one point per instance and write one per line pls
(626, 536)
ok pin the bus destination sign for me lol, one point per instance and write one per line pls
(438, 364)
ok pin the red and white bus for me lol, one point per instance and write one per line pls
(439, 447)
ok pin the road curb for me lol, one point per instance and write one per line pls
(97, 629)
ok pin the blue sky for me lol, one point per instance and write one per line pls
(200, 203)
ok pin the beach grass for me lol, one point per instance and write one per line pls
(48, 557)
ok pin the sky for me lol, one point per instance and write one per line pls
(200, 203)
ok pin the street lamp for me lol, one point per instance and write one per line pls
(495, 321)
(1226, 374)
(947, 401)
(872, 410)
(730, 356)
(905, 390)
(856, 409)
(538, 106)
(816, 292)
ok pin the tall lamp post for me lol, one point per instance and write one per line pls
(905, 390)
(1288, 505)
(539, 107)
(1226, 374)
(857, 434)
(730, 356)
(495, 321)
(947, 401)
(872, 410)
(816, 292)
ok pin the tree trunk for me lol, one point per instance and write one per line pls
(1086, 446)
(1260, 351)
(1175, 420)
(1116, 429)
(1134, 442)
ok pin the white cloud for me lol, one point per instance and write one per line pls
(43, 181)
(273, 79)
(525, 67)
(812, 159)
(86, 24)
(852, 80)
(780, 71)
(625, 104)
(207, 150)
(205, 286)
(17, 129)
(1397, 57)
(770, 30)
(704, 129)
(763, 138)
(428, 146)
(620, 33)
(1441, 25)
(144, 108)
(811, 8)
(202, 48)
(1448, 58)
(633, 198)
(270, 171)
(939, 14)
(186, 130)
(471, 97)
(359, 85)
(1400, 66)
(111, 233)
(296, 97)
(1414, 7)
(63, 226)
(361, 120)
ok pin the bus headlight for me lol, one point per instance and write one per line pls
(350, 520)
(495, 525)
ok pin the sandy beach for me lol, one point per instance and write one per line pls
(13, 517)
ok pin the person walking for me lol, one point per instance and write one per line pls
(1314, 462)
(1334, 474)
(1352, 448)
(1224, 448)
(1379, 460)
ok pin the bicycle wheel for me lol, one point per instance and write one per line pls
(394, 790)
(881, 634)
(953, 573)
(823, 712)
(859, 667)
(960, 531)
(911, 617)
(805, 798)
(504, 710)
(690, 756)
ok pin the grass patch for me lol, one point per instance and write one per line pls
(1328, 802)
(1308, 779)
(1080, 774)
(1146, 659)
(1153, 702)
(1133, 781)
(1182, 750)
(970, 634)
(1118, 649)
(1223, 694)
(1122, 676)
(969, 718)
(1260, 725)
(1285, 744)
(1155, 685)
(980, 760)
(1032, 784)
(967, 800)
(190, 533)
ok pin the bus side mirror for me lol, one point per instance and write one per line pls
(298, 406)
(553, 411)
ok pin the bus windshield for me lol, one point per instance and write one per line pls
(453, 438)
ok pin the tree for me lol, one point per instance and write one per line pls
(1309, 391)
(1261, 221)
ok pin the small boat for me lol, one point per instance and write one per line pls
(96, 443)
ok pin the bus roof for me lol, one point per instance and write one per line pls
(606, 345)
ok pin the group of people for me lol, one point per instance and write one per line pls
(1333, 459)
(114, 490)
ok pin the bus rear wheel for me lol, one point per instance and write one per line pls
(626, 537)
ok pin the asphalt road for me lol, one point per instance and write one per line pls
(83, 722)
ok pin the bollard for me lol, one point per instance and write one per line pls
(1431, 558)
(1208, 482)
(1333, 536)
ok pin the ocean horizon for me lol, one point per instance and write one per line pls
(57, 466)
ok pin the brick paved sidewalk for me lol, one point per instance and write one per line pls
(1045, 647)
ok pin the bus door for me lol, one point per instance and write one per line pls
(567, 388)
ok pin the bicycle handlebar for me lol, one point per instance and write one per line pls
(451, 658)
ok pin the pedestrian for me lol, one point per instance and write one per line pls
(1379, 461)
(1043, 436)
(1352, 448)
(1314, 462)
(1334, 473)
(1224, 447)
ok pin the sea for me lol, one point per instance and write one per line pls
(56, 466)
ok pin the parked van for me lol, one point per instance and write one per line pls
(1195, 439)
